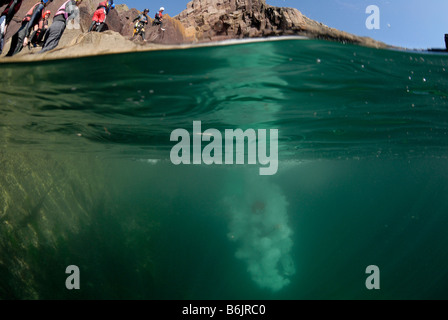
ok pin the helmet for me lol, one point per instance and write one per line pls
(162, 9)
(48, 12)
(146, 10)
(46, 1)
(112, 6)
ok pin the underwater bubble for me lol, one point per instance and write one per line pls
(259, 225)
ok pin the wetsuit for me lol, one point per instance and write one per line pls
(11, 9)
(99, 16)
(38, 35)
(6, 17)
(142, 19)
(31, 19)
(67, 11)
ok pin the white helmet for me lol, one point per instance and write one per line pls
(162, 9)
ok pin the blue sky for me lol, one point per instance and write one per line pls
(406, 23)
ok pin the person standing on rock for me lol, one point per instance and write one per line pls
(32, 18)
(40, 30)
(139, 28)
(69, 10)
(99, 16)
(158, 19)
(6, 17)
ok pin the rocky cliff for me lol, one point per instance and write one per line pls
(202, 21)
(209, 20)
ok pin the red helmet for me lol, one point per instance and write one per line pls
(46, 13)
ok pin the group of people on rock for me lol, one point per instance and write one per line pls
(35, 31)
(142, 19)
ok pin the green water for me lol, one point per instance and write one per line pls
(86, 177)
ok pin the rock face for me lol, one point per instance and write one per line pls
(211, 20)
(41, 202)
(202, 21)
(174, 32)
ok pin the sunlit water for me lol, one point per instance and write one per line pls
(86, 177)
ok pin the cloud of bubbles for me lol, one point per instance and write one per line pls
(259, 226)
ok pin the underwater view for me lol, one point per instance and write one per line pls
(89, 174)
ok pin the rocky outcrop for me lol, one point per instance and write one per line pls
(211, 20)
(202, 21)
(174, 32)
(42, 201)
